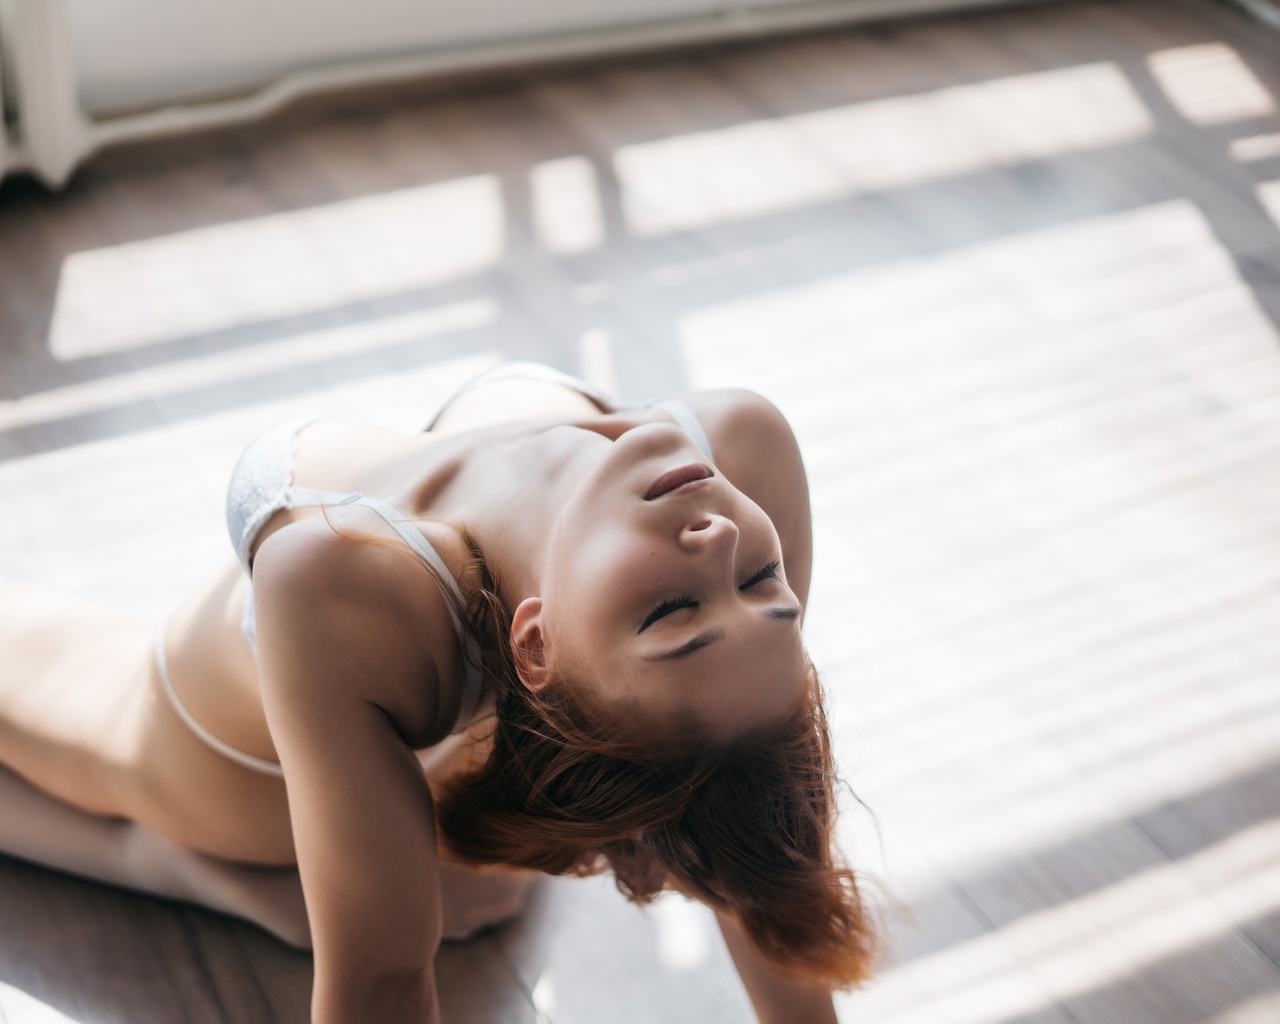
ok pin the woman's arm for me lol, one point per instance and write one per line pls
(343, 663)
(756, 449)
(776, 1000)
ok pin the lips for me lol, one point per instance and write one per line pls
(676, 478)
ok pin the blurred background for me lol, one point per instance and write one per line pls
(1012, 272)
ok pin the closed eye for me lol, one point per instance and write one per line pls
(665, 608)
(675, 604)
(765, 572)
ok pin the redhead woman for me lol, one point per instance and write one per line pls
(549, 634)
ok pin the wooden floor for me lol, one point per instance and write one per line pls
(1015, 278)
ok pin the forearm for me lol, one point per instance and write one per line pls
(784, 1002)
(776, 999)
(402, 998)
(799, 1006)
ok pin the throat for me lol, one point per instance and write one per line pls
(508, 492)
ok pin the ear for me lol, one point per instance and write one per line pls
(528, 644)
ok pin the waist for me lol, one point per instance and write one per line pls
(212, 668)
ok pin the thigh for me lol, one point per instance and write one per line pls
(40, 829)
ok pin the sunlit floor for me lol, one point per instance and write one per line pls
(1014, 277)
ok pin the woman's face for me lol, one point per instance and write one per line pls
(664, 585)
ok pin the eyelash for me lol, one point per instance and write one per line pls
(672, 604)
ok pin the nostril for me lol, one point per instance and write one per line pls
(700, 524)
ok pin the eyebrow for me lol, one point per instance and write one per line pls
(714, 635)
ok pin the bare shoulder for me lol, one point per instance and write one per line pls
(348, 599)
(753, 443)
(756, 449)
(743, 425)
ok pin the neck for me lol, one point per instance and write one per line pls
(507, 497)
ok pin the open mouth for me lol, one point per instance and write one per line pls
(677, 478)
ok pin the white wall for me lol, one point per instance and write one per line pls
(134, 53)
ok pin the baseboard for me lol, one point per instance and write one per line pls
(53, 135)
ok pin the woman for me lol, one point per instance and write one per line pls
(566, 639)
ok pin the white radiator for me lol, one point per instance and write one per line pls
(48, 132)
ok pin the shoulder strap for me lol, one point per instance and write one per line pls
(306, 497)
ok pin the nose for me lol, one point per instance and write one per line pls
(708, 531)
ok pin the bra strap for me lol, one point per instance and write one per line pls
(304, 497)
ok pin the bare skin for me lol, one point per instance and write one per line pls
(83, 717)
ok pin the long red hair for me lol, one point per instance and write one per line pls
(745, 824)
